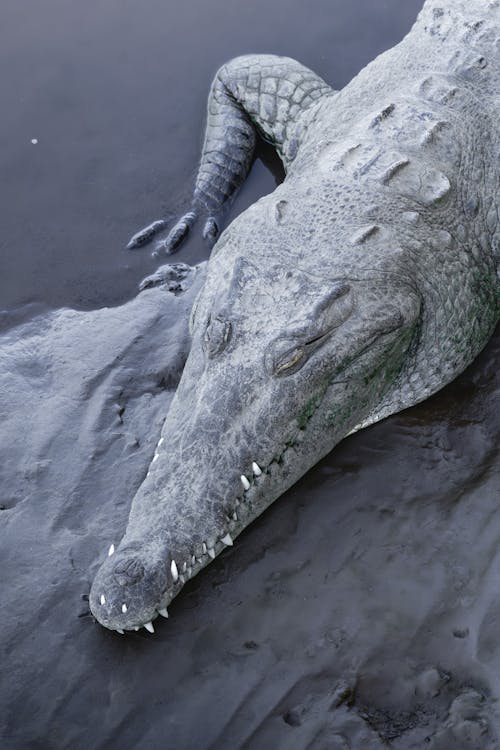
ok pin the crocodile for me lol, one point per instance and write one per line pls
(367, 281)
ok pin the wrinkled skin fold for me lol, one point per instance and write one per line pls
(363, 284)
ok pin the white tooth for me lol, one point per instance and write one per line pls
(245, 482)
(199, 559)
(256, 469)
(124, 608)
(193, 559)
(118, 630)
(155, 457)
(235, 516)
(189, 572)
(103, 599)
(204, 548)
(136, 627)
(111, 550)
(174, 571)
(211, 552)
(163, 612)
(149, 626)
(184, 567)
(182, 579)
(227, 540)
(160, 441)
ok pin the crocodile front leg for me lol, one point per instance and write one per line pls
(252, 94)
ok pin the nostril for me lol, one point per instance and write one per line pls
(128, 571)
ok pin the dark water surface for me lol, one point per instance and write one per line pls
(361, 611)
(115, 93)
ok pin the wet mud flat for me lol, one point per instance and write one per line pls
(362, 609)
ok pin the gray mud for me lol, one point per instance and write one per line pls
(360, 611)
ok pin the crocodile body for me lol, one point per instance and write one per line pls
(366, 282)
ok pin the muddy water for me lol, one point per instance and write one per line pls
(362, 610)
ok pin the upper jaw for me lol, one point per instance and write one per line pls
(249, 499)
(198, 531)
(118, 602)
(251, 486)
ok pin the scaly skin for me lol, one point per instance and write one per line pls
(366, 282)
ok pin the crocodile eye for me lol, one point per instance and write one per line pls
(287, 356)
(290, 361)
(217, 335)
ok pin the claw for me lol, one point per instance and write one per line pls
(146, 235)
(174, 275)
(210, 230)
(149, 281)
(177, 234)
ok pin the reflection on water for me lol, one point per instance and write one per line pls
(114, 93)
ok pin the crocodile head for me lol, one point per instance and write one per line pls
(284, 363)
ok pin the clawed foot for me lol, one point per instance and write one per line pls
(145, 235)
(175, 277)
(176, 235)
